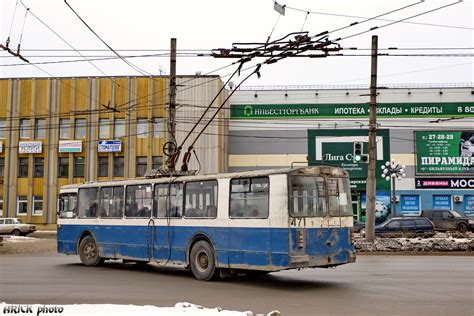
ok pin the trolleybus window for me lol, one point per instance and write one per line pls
(339, 194)
(168, 204)
(111, 201)
(139, 198)
(307, 196)
(249, 197)
(201, 199)
(88, 200)
(67, 205)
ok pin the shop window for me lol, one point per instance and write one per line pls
(142, 128)
(104, 128)
(119, 128)
(63, 168)
(38, 171)
(103, 166)
(23, 167)
(141, 166)
(65, 128)
(40, 129)
(80, 128)
(24, 128)
(37, 205)
(78, 166)
(22, 206)
(118, 167)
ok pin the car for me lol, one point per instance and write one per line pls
(357, 226)
(15, 226)
(471, 222)
(404, 227)
(447, 220)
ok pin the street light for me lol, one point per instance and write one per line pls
(393, 170)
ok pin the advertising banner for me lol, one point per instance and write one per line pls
(335, 148)
(382, 205)
(410, 204)
(442, 202)
(355, 110)
(70, 146)
(109, 146)
(446, 152)
(30, 147)
(445, 183)
(469, 204)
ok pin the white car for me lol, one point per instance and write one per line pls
(15, 226)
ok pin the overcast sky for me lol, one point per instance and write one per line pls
(210, 24)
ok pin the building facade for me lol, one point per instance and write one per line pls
(430, 130)
(57, 131)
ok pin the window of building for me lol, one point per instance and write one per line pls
(80, 128)
(3, 128)
(88, 202)
(118, 167)
(142, 128)
(158, 127)
(22, 206)
(38, 172)
(23, 167)
(104, 128)
(40, 128)
(138, 201)
(63, 169)
(65, 128)
(78, 167)
(119, 128)
(157, 162)
(24, 128)
(201, 199)
(249, 197)
(2, 167)
(37, 205)
(141, 166)
(103, 167)
(168, 205)
(111, 202)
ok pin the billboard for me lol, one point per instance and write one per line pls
(445, 152)
(109, 146)
(30, 147)
(70, 146)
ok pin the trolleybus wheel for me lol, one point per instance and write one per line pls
(203, 261)
(89, 252)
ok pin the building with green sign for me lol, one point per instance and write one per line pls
(430, 130)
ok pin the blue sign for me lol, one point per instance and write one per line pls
(442, 202)
(469, 204)
(109, 146)
(410, 204)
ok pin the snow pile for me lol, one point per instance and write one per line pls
(8, 239)
(181, 308)
(415, 245)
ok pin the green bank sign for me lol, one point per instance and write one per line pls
(446, 152)
(358, 110)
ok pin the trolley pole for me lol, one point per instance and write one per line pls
(370, 190)
(172, 107)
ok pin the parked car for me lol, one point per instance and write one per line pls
(15, 226)
(404, 227)
(357, 226)
(471, 222)
(447, 220)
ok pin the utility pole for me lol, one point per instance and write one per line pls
(172, 108)
(370, 190)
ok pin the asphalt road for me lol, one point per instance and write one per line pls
(375, 285)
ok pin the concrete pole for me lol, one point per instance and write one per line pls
(172, 108)
(370, 190)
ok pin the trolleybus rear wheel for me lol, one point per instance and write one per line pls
(89, 252)
(203, 261)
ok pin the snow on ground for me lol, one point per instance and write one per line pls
(181, 308)
(20, 239)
